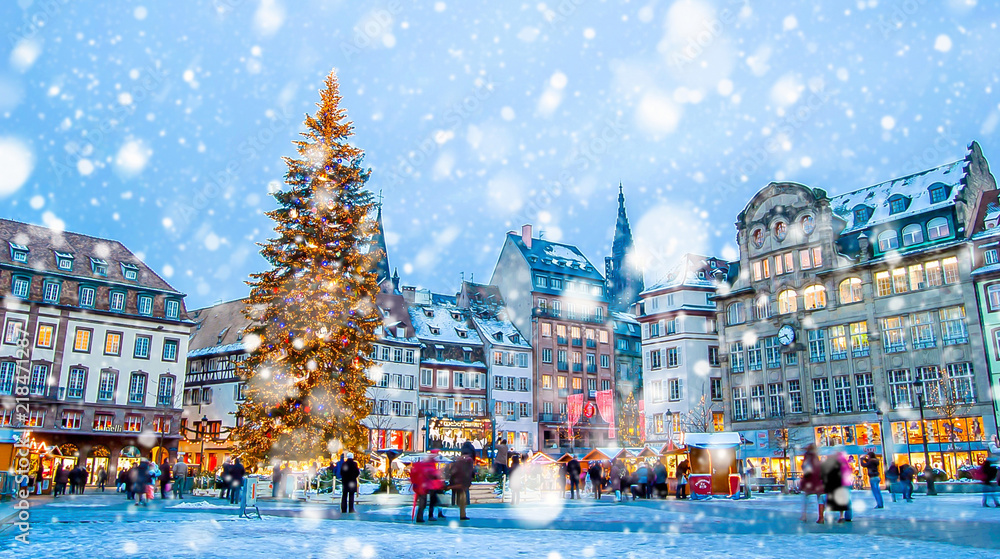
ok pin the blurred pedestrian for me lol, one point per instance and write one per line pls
(515, 481)
(616, 480)
(180, 478)
(460, 482)
(102, 478)
(236, 473)
(61, 479)
(683, 477)
(227, 479)
(892, 478)
(349, 473)
(596, 478)
(987, 473)
(906, 475)
(275, 480)
(838, 480)
(500, 459)
(660, 480)
(812, 482)
(165, 477)
(870, 463)
(573, 473)
(142, 479)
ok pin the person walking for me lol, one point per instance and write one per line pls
(683, 470)
(275, 480)
(349, 473)
(236, 473)
(642, 475)
(906, 475)
(812, 482)
(838, 480)
(227, 479)
(61, 479)
(987, 474)
(892, 480)
(165, 476)
(616, 480)
(515, 482)
(870, 463)
(660, 477)
(120, 479)
(180, 478)
(73, 479)
(573, 472)
(131, 477)
(142, 477)
(102, 478)
(425, 480)
(460, 482)
(500, 459)
(596, 478)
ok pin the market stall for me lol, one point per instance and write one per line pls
(713, 459)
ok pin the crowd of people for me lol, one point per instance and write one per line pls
(139, 481)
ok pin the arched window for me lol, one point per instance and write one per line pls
(758, 238)
(787, 302)
(850, 291)
(762, 307)
(814, 297)
(938, 228)
(780, 231)
(913, 234)
(888, 240)
(735, 314)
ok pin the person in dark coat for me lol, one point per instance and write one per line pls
(683, 470)
(616, 480)
(986, 474)
(142, 478)
(460, 482)
(870, 463)
(906, 475)
(227, 479)
(130, 478)
(349, 474)
(61, 479)
(892, 480)
(236, 473)
(165, 477)
(573, 473)
(596, 478)
(73, 478)
(102, 478)
(660, 477)
(121, 479)
(275, 480)
(812, 482)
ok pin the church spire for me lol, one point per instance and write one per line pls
(623, 278)
(378, 243)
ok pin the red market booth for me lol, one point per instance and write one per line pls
(714, 459)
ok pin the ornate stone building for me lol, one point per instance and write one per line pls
(841, 307)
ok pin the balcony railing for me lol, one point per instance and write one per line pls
(551, 417)
(577, 367)
(208, 376)
(561, 340)
(591, 343)
(562, 366)
(563, 392)
(591, 368)
(551, 313)
(577, 342)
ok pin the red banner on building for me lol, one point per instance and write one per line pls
(606, 405)
(574, 409)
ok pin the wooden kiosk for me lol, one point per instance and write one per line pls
(714, 459)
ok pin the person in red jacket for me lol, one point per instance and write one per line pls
(426, 484)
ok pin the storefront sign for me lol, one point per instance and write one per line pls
(761, 439)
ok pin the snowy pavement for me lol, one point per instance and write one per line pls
(763, 527)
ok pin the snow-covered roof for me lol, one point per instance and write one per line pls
(438, 323)
(692, 270)
(625, 324)
(218, 350)
(913, 187)
(556, 258)
(455, 363)
(489, 327)
(990, 269)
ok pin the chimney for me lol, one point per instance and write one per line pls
(526, 235)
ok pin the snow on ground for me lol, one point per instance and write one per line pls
(304, 538)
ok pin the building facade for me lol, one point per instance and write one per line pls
(838, 305)
(212, 389)
(557, 299)
(682, 375)
(96, 342)
(986, 273)
(452, 384)
(509, 367)
(627, 363)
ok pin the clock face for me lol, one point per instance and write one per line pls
(786, 335)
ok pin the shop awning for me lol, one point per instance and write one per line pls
(713, 440)
(542, 458)
(607, 453)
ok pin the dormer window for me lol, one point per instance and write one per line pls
(897, 204)
(64, 261)
(467, 355)
(461, 333)
(400, 331)
(938, 192)
(172, 309)
(99, 267)
(429, 313)
(515, 339)
(435, 331)
(456, 315)
(18, 253)
(862, 214)
(130, 271)
(498, 336)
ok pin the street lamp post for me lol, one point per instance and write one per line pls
(918, 387)
(202, 432)
(885, 457)
(670, 431)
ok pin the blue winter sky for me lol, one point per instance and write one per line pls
(163, 124)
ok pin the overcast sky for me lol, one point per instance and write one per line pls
(163, 124)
